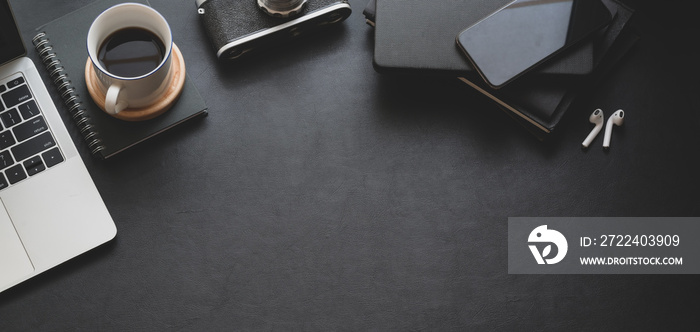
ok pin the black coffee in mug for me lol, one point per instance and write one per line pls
(131, 52)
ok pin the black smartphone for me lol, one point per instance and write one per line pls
(525, 33)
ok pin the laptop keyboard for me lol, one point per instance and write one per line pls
(27, 146)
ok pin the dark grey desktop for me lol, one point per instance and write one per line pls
(320, 195)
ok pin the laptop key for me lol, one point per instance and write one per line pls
(33, 146)
(6, 160)
(34, 165)
(16, 96)
(6, 140)
(16, 82)
(3, 182)
(15, 174)
(52, 157)
(10, 118)
(28, 109)
(30, 128)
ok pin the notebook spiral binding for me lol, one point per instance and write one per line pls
(65, 88)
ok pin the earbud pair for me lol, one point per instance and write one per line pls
(596, 118)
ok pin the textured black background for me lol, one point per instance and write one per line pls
(319, 195)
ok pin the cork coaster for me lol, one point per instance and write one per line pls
(159, 107)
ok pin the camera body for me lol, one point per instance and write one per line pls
(240, 27)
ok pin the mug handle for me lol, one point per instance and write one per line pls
(113, 104)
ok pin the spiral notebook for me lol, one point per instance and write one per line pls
(61, 47)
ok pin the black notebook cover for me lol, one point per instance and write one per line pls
(61, 46)
(415, 36)
(539, 100)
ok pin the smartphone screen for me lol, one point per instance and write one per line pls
(524, 33)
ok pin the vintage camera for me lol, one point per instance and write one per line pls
(240, 27)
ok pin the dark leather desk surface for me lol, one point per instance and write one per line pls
(319, 195)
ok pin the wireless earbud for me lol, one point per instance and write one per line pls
(618, 118)
(596, 118)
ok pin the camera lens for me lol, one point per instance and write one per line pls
(282, 8)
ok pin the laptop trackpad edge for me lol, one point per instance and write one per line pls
(14, 262)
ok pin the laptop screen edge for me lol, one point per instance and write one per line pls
(11, 43)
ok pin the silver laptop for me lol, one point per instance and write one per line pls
(50, 210)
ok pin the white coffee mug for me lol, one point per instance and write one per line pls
(130, 92)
